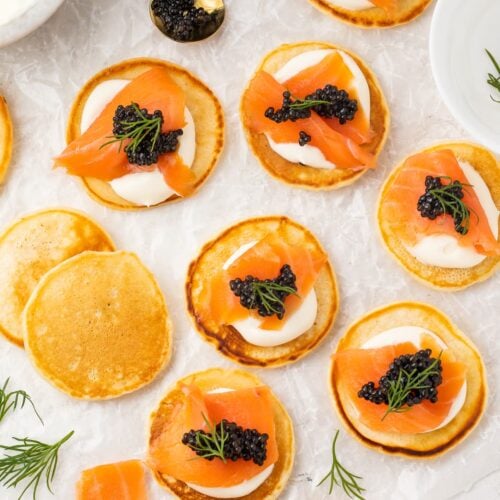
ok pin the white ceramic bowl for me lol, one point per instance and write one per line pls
(28, 21)
(461, 30)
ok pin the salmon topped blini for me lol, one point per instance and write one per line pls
(221, 434)
(373, 13)
(438, 214)
(406, 381)
(263, 292)
(142, 133)
(314, 115)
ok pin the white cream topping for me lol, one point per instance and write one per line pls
(239, 490)
(414, 335)
(353, 4)
(297, 323)
(12, 9)
(141, 188)
(311, 155)
(98, 99)
(444, 250)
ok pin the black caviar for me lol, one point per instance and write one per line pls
(304, 138)
(328, 102)
(286, 112)
(246, 444)
(440, 199)
(152, 144)
(186, 20)
(399, 370)
(266, 296)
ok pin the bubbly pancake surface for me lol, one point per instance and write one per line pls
(33, 245)
(203, 105)
(97, 325)
(6, 138)
(207, 267)
(460, 349)
(208, 381)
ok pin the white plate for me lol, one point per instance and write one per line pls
(461, 30)
(28, 21)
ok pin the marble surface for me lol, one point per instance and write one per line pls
(40, 76)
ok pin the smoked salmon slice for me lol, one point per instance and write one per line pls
(388, 5)
(334, 71)
(120, 481)
(152, 90)
(355, 367)
(263, 261)
(249, 408)
(264, 92)
(399, 205)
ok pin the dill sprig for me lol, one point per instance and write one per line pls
(399, 389)
(211, 444)
(340, 476)
(31, 460)
(266, 292)
(308, 103)
(11, 401)
(452, 204)
(137, 131)
(493, 80)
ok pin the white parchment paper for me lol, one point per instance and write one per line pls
(41, 75)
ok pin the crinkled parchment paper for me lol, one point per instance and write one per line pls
(41, 75)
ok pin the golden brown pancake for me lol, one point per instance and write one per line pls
(6, 138)
(429, 444)
(204, 106)
(406, 11)
(97, 327)
(231, 379)
(442, 278)
(225, 337)
(310, 177)
(33, 245)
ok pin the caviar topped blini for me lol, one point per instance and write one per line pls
(406, 381)
(314, 115)
(438, 215)
(6, 138)
(143, 133)
(221, 434)
(263, 292)
(373, 13)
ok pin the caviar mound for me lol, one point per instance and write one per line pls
(447, 279)
(404, 12)
(209, 380)
(310, 177)
(33, 245)
(6, 138)
(225, 337)
(202, 103)
(97, 326)
(185, 21)
(428, 444)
